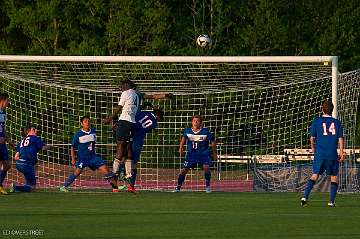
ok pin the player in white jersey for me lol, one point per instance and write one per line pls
(128, 106)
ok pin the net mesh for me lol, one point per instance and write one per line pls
(252, 108)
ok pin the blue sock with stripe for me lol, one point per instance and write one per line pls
(309, 186)
(70, 180)
(207, 176)
(181, 180)
(2, 176)
(22, 188)
(333, 190)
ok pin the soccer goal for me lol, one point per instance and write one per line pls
(256, 106)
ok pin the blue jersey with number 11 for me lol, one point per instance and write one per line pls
(198, 143)
(326, 130)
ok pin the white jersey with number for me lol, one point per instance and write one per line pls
(129, 100)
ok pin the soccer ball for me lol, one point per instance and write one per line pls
(203, 40)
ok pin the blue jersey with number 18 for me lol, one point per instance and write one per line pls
(326, 130)
(197, 143)
(28, 149)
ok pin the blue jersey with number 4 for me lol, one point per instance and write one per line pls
(28, 149)
(84, 142)
(326, 130)
(197, 143)
(145, 123)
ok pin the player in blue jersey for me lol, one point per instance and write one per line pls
(198, 140)
(84, 142)
(326, 137)
(145, 123)
(26, 159)
(5, 163)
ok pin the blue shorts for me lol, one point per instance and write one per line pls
(136, 148)
(93, 163)
(4, 154)
(193, 162)
(28, 171)
(330, 166)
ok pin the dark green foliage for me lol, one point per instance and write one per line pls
(155, 27)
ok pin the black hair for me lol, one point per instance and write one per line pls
(327, 107)
(84, 117)
(29, 127)
(4, 96)
(159, 113)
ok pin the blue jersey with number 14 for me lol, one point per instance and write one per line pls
(326, 130)
(198, 143)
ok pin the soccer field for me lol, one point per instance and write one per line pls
(178, 215)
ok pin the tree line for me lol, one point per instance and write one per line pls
(159, 27)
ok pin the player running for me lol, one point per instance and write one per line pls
(5, 163)
(26, 159)
(84, 142)
(198, 140)
(326, 136)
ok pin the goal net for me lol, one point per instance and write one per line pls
(256, 106)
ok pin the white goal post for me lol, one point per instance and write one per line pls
(255, 105)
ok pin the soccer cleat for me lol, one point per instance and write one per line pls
(123, 188)
(115, 190)
(208, 190)
(304, 202)
(64, 189)
(331, 204)
(12, 188)
(131, 189)
(177, 189)
(2, 190)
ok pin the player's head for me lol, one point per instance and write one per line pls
(31, 129)
(85, 122)
(127, 84)
(196, 121)
(4, 100)
(327, 107)
(159, 113)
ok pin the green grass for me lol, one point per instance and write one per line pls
(183, 215)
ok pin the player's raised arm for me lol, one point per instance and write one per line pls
(158, 96)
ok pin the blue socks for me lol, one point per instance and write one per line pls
(2, 176)
(133, 177)
(333, 191)
(23, 188)
(181, 179)
(207, 176)
(70, 180)
(309, 186)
